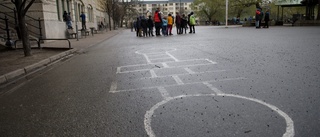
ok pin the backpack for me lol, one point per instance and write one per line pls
(258, 12)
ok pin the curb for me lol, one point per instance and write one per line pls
(11, 76)
(34, 67)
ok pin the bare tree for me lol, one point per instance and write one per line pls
(127, 9)
(22, 7)
(240, 5)
(208, 8)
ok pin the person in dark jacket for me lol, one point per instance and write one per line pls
(189, 22)
(150, 26)
(261, 17)
(178, 23)
(266, 19)
(144, 26)
(184, 23)
(138, 23)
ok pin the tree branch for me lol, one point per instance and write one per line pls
(28, 6)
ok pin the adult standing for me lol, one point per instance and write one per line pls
(83, 21)
(261, 17)
(138, 32)
(157, 21)
(144, 26)
(150, 26)
(192, 22)
(266, 19)
(170, 24)
(258, 18)
(178, 23)
(184, 23)
(189, 22)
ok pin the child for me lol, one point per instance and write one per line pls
(170, 24)
(164, 26)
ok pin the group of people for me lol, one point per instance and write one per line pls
(163, 24)
(67, 19)
(259, 17)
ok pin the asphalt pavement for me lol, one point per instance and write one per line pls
(222, 82)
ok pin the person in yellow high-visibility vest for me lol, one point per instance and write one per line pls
(192, 23)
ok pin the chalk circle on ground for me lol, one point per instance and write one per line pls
(289, 132)
(155, 50)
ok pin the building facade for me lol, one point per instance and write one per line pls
(50, 12)
(147, 8)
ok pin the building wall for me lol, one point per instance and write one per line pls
(165, 7)
(50, 12)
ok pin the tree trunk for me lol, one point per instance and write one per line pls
(20, 6)
(109, 18)
(24, 35)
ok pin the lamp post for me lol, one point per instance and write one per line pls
(226, 13)
(180, 7)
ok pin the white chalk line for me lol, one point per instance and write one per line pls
(172, 85)
(165, 64)
(113, 87)
(289, 122)
(164, 92)
(157, 55)
(175, 59)
(178, 80)
(188, 73)
(164, 67)
(145, 56)
(153, 74)
(149, 114)
(155, 59)
(214, 89)
(150, 52)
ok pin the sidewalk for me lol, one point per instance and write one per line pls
(14, 65)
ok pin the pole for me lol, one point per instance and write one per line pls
(226, 13)
(114, 25)
(180, 8)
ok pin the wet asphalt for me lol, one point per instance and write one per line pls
(221, 82)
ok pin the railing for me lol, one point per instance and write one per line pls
(33, 24)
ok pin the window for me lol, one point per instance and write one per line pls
(90, 13)
(76, 11)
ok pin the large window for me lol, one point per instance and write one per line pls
(90, 13)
